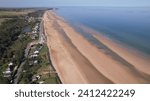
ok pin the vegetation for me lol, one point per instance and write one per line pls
(42, 69)
(13, 42)
(38, 13)
(14, 12)
(9, 32)
(1, 20)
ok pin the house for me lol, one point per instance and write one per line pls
(36, 61)
(41, 82)
(7, 73)
(31, 19)
(11, 66)
(33, 56)
(36, 52)
(38, 77)
(30, 63)
(35, 77)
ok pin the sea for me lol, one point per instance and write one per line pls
(128, 25)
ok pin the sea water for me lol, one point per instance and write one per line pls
(128, 25)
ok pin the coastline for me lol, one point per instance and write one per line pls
(78, 61)
(132, 56)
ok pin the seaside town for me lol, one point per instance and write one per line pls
(29, 61)
(38, 46)
(75, 50)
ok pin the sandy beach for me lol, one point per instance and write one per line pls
(139, 61)
(78, 61)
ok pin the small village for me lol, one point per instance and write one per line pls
(27, 71)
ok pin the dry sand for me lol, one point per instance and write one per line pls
(78, 61)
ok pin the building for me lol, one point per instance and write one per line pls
(7, 73)
(11, 66)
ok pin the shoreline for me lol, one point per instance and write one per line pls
(78, 61)
(96, 33)
(130, 54)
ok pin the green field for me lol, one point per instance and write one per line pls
(8, 14)
(15, 13)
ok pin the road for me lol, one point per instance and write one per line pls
(41, 40)
(20, 69)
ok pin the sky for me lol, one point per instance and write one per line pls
(51, 3)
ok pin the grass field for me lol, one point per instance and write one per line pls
(5, 14)
(15, 13)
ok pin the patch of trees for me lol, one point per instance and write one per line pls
(9, 32)
(15, 9)
(8, 16)
(24, 9)
(37, 13)
(12, 44)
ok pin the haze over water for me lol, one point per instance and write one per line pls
(130, 26)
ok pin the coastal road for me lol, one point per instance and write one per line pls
(20, 69)
(40, 40)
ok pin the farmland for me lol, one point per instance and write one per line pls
(12, 12)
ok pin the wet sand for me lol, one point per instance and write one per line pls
(138, 60)
(76, 60)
